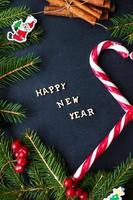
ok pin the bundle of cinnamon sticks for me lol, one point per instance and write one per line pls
(88, 10)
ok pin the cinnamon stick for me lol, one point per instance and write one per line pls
(105, 15)
(97, 9)
(86, 8)
(98, 3)
(74, 10)
(107, 4)
(57, 11)
(112, 8)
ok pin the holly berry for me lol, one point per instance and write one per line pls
(22, 162)
(68, 182)
(23, 152)
(83, 196)
(16, 145)
(19, 169)
(70, 192)
(79, 192)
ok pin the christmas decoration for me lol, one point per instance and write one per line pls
(14, 68)
(128, 108)
(90, 10)
(21, 29)
(117, 194)
(122, 26)
(21, 154)
(47, 174)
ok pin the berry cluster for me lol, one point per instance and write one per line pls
(73, 191)
(21, 154)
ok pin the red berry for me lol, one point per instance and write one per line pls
(23, 152)
(70, 192)
(16, 154)
(68, 182)
(19, 169)
(16, 145)
(22, 162)
(84, 196)
(79, 192)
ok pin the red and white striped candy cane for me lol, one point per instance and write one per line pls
(116, 131)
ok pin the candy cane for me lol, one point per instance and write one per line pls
(112, 88)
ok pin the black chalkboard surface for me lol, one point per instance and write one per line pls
(65, 50)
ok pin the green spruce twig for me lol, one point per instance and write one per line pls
(11, 112)
(8, 47)
(4, 4)
(46, 173)
(13, 69)
(49, 165)
(122, 26)
(119, 177)
(8, 16)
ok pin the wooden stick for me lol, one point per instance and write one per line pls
(75, 11)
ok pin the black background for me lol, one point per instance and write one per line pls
(65, 50)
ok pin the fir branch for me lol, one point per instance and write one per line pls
(91, 180)
(10, 177)
(12, 185)
(8, 16)
(120, 176)
(17, 193)
(11, 112)
(7, 47)
(122, 26)
(49, 165)
(4, 4)
(13, 69)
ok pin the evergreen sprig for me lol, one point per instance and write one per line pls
(9, 47)
(122, 26)
(8, 16)
(105, 183)
(4, 4)
(46, 172)
(7, 177)
(11, 112)
(13, 69)
(50, 167)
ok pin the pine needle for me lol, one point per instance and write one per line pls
(11, 112)
(49, 164)
(13, 69)
(120, 176)
(8, 16)
(122, 26)
(8, 47)
(4, 4)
